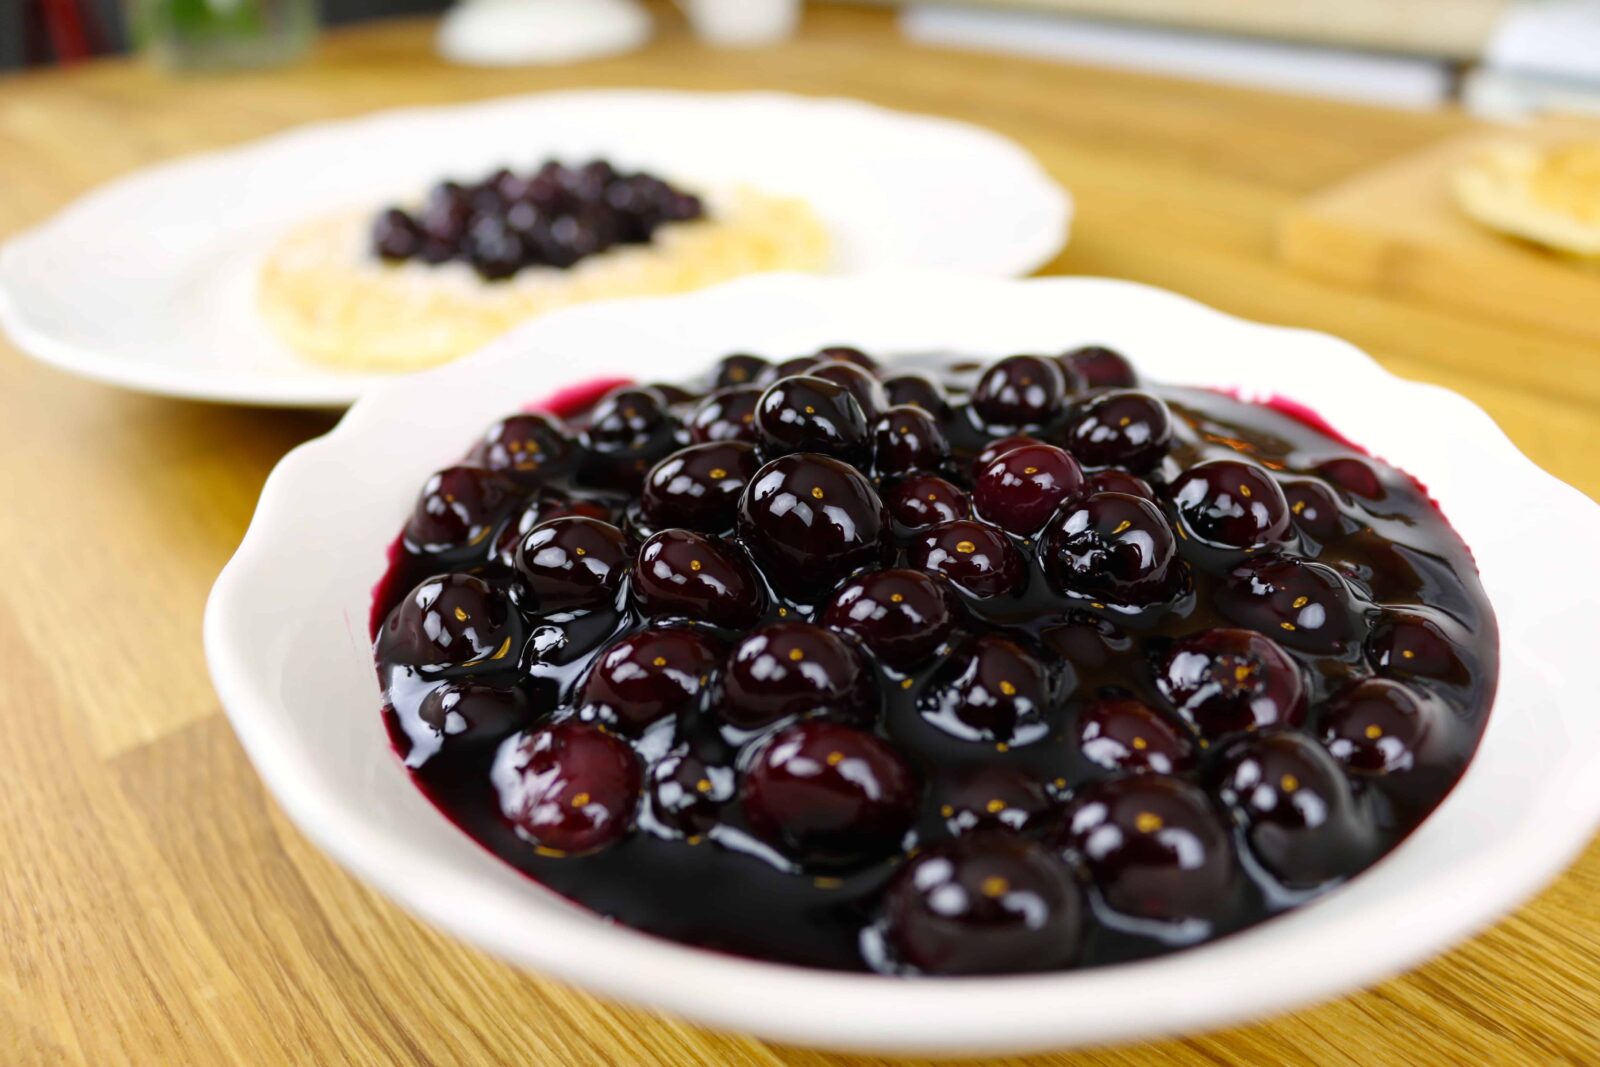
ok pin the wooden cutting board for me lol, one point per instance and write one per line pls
(1396, 230)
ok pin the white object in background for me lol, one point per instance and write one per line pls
(174, 294)
(1395, 81)
(513, 33)
(287, 643)
(742, 23)
(1544, 56)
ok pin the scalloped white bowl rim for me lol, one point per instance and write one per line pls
(299, 687)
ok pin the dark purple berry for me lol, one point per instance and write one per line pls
(568, 789)
(495, 250)
(1229, 503)
(986, 903)
(1300, 815)
(811, 520)
(1123, 428)
(1155, 847)
(907, 439)
(1222, 681)
(699, 487)
(460, 716)
(855, 381)
(999, 447)
(1111, 547)
(1354, 476)
(543, 506)
(1417, 643)
(825, 793)
(647, 676)
(1124, 734)
(629, 419)
(918, 501)
(1100, 368)
(396, 235)
(686, 574)
(530, 448)
(794, 668)
(726, 415)
(806, 414)
(1020, 392)
(1314, 508)
(687, 794)
(738, 369)
(452, 620)
(447, 214)
(458, 508)
(846, 354)
(917, 390)
(1378, 726)
(903, 616)
(573, 562)
(977, 558)
(990, 689)
(1021, 489)
(1301, 603)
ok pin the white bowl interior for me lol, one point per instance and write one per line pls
(169, 255)
(287, 639)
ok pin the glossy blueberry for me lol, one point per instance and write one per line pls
(1120, 733)
(531, 448)
(689, 575)
(738, 369)
(806, 414)
(824, 793)
(1155, 847)
(1021, 489)
(1222, 681)
(989, 689)
(1379, 726)
(1117, 481)
(726, 415)
(811, 520)
(1097, 367)
(1121, 428)
(573, 562)
(985, 903)
(1300, 816)
(1229, 503)
(855, 381)
(906, 439)
(396, 235)
(1301, 603)
(903, 616)
(452, 620)
(1314, 509)
(1418, 643)
(917, 390)
(464, 716)
(1111, 547)
(918, 501)
(699, 487)
(999, 796)
(1020, 392)
(647, 676)
(687, 793)
(568, 788)
(794, 668)
(459, 507)
(976, 557)
(999, 447)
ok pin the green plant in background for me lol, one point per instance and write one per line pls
(223, 34)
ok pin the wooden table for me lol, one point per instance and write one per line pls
(158, 909)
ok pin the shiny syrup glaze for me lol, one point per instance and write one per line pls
(727, 890)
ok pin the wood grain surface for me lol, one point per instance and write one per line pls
(158, 909)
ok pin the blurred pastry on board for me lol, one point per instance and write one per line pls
(1546, 194)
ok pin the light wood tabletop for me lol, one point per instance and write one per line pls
(157, 908)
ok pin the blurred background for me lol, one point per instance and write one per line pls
(1498, 55)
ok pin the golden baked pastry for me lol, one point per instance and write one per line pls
(1546, 194)
(324, 290)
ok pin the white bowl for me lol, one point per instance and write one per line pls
(168, 256)
(286, 636)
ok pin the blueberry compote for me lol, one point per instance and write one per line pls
(551, 217)
(936, 668)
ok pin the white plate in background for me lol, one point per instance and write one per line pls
(287, 643)
(149, 281)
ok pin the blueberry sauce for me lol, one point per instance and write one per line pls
(555, 216)
(931, 667)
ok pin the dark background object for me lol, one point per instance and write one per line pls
(40, 32)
